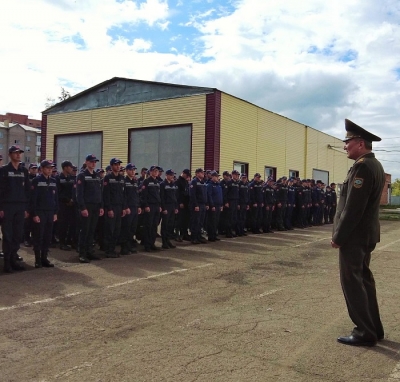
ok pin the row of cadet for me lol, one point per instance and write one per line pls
(114, 207)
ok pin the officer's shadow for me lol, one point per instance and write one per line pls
(34, 285)
(388, 348)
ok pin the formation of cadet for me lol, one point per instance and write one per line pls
(113, 207)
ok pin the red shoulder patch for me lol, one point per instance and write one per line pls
(143, 187)
(79, 181)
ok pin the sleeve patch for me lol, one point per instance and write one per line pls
(358, 182)
(79, 181)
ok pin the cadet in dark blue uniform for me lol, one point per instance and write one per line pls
(44, 207)
(301, 203)
(215, 200)
(316, 199)
(332, 211)
(291, 204)
(198, 206)
(28, 226)
(281, 202)
(256, 202)
(114, 207)
(223, 221)
(183, 200)
(130, 220)
(243, 205)
(66, 209)
(232, 204)
(90, 203)
(151, 204)
(269, 205)
(169, 208)
(14, 201)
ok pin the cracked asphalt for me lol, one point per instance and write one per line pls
(257, 308)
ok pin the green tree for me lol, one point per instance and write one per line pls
(396, 187)
(50, 101)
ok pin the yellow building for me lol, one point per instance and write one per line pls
(179, 127)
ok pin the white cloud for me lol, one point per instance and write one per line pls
(317, 62)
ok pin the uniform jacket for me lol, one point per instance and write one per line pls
(14, 186)
(65, 186)
(256, 192)
(198, 192)
(183, 191)
(244, 193)
(168, 193)
(357, 216)
(131, 189)
(44, 195)
(88, 189)
(150, 192)
(113, 191)
(214, 194)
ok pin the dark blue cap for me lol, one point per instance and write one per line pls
(91, 158)
(160, 169)
(115, 161)
(66, 163)
(108, 168)
(214, 173)
(226, 173)
(257, 174)
(154, 167)
(33, 165)
(99, 170)
(243, 175)
(15, 149)
(199, 170)
(186, 171)
(47, 163)
(130, 166)
(169, 172)
(235, 172)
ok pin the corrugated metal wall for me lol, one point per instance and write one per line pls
(115, 122)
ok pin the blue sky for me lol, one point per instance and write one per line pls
(314, 61)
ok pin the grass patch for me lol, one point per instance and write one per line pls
(390, 207)
(389, 216)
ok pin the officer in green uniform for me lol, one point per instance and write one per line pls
(356, 232)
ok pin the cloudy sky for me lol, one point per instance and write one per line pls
(314, 61)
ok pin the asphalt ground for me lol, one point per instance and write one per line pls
(257, 308)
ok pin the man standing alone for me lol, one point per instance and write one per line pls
(355, 232)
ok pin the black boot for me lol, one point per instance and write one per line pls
(165, 244)
(38, 260)
(7, 264)
(170, 245)
(45, 261)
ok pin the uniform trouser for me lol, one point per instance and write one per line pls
(28, 228)
(241, 221)
(197, 221)
(87, 228)
(150, 224)
(223, 219)
(212, 222)
(112, 228)
(43, 231)
(280, 215)
(267, 218)
(288, 216)
(128, 227)
(256, 217)
(309, 213)
(326, 214)
(65, 219)
(12, 229)
(316, 214)
(332, 213)
(183, 221)
(232, 216)
(358, 286)
(167, 223)
(302, 217)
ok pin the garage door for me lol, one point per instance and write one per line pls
(321, 175)
(168, 147)
(76, 147)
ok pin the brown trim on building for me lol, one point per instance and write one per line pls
(43, 138)
(213, 131)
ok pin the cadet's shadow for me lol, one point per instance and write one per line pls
(40, 284)
(389, 348)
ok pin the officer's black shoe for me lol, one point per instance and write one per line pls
(1, 255)
(170, 245)
(244, 234)
(132, 251)
(355, 341)
(7, 269)
(46, 263)
(65, 247)
(124, 252)
(155, 248)
(112, 255)
(229, 236)
(17, 267)
(93, 256)
(19, 258)
(290, 229)
(83, 259)
(165, 246)
(217, 239)
(195, 242)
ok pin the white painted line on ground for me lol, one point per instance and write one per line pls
(387, 245)
(292, 234)
(287, 239)
(26, 304)
(312, 242)
(268, 293)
